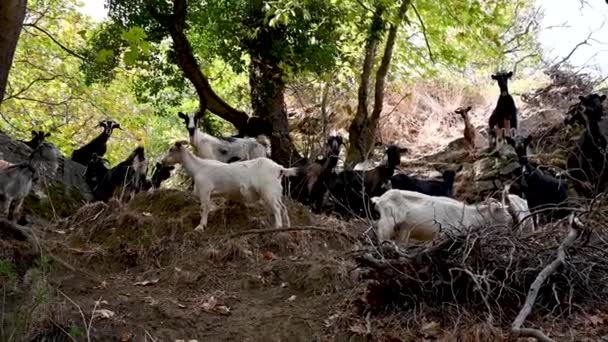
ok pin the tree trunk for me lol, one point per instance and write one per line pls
(357, 151)
(12, 14)
(363, 128)
(189, 65)
(268, 102)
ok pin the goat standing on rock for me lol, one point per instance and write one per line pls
(504, 116)
(470, 133)
(244, 181)
(97, 146)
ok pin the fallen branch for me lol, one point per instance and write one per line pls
(516, 327)
(293, 229)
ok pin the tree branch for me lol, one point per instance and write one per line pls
(63, 47)
(186, 60)
(516, 327)
(385, 64)
(27, 87)
(426, 39)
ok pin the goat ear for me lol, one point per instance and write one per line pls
(34, 134)
(528, 139)
(494, 77)
(182, 115)
(47, 135)
(199, 114)
(468, 108)
(510, 141)
(403, 150)
(602, 98)
(117, 126)
(103, 124)
(581, 97)
(510, 74)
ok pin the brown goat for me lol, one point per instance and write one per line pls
(470, 133)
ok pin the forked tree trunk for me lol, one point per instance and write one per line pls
(362, 130)
(265, 77)
(12, 14)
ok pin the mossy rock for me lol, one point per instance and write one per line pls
(60, 201)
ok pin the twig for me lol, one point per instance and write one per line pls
(426, 39)
(293, 229)
(63, 47)
(516, 327)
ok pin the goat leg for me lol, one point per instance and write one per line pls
(7, 207)
(18, 207)
(205, 197)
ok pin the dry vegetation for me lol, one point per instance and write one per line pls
(137, 271)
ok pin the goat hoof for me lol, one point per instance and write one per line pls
(199, 228)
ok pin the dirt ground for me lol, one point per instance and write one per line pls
(144, 275)
(137, 272)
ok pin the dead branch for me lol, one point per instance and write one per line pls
(292, 229)
(516, 327)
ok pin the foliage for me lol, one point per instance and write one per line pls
(48, 91)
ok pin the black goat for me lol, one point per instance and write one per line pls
(255, 127)
(38, 138)
(587, 161)
(129, 175)
(504, 116)
(351, 190)
(310, 186)
(429, 187)
(96, 146)
(546, 195)
(160, 174)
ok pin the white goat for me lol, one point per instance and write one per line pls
(245, 181)
(226, 150)
(421, 217)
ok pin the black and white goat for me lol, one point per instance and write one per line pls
(97, 146)
(429, 187)
(243, 181)
(224, 149)
(38, 138)
(129, 175)
(504, 116)
(310, 185)
(160, 174)
(546, 195)
(587, 161)
(16, 180)
(351, 190)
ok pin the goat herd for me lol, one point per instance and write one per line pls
(238, 169)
